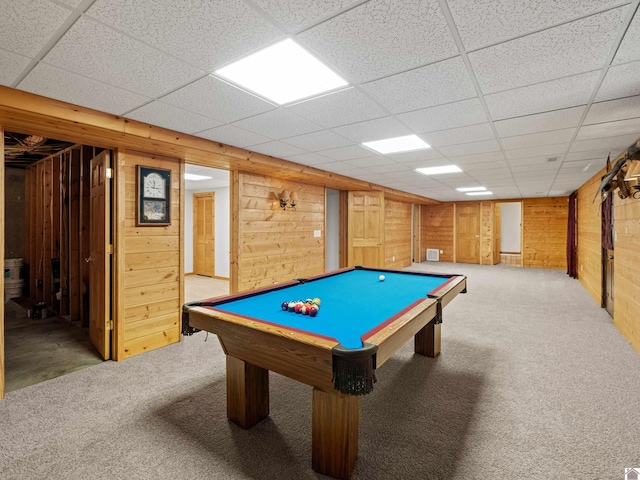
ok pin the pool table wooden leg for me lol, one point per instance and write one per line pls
(247, 392)
(334, 433)
(427, 341)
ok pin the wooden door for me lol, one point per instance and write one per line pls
(366, 229)
(204, 234)
(468, 233)
(497, 235)
(2, 257)
(100, 256)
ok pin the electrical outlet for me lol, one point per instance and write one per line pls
(393, 259)
(317, 233)
(441, 251)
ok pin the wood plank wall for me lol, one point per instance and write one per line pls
(626, 278)
(487, 233)
(2, 257)
(544, 232)
(277, 245)
(55, 227)
(589, 257)
(397, 234)
(436, 230)
(151, 295)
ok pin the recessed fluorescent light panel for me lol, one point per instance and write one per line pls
(471, 189)
(282, 73)
(398, 144)
(479, 193)
(192, 176)
(439, 170)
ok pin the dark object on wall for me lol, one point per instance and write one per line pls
(572, 245)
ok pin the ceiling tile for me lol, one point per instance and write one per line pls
(203, 34)
(473, 133)
(378, 129)
(483, 22)
(478, 158)
(415, 156)
(612, 110)
(168, 116)
(372, 161)
(233, 136)
(277, 149)
(310, 159)
(337, 167)
(295, 15)
(610, 129)
(474, 167)
(536, 139)
(392, 167)
(615, 145)
(539, 162)
(12, 66)
(347, 153)
(620, 81)
(71, 3)
(322, 140)
(442, 117)
(596, 154)
(426, 163)
(26, 26)
(367, 42)
(428, 86)
(278, 124)
(541, 122)
(214, 98)
(339, 108)
(92, 49)
(553, 95)
(470, 148)
(541, 151)
(69, 87)
(629, 49)
(565, 50)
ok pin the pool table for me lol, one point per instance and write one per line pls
(361, 322)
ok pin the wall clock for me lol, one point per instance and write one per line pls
(153, 196)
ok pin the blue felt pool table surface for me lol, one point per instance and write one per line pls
(352, 302)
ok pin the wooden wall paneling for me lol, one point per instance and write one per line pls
(39, 234)
(48, 243)
(181, 266)
(544, 235)
(276, 245)
(63, 287)
(149, 283)
(234, 205)
(28, 225)
(344, 228)
(487, 233)
(589, 256)
(437, 227)
(497, 235)
(119, 262)
(418, 253)
(2, 257)
(626, 277)
(397, 234)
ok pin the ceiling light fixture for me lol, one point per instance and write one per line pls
(480, 193)
(470, 189)
(398, 144)
(282, 73)
(193, 176)
(439, 170)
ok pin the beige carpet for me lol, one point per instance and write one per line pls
(533, 382)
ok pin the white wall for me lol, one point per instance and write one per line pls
(510, 219)
(332, 240)
(222, 223)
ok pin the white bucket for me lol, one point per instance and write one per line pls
(13, 267)
(12, 288)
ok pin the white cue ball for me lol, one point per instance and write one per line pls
(381, 278)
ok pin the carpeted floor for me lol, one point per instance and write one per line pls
(533, 382)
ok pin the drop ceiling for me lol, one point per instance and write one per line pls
(528, 98)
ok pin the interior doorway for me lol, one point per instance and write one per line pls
(47, 322)
(511, 233)
(207, 228)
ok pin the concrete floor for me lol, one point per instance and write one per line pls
(38, 350)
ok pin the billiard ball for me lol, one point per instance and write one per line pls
(298, 307)
(304, 310)
(316, 301)
(285, 306)
(381, 278)
(292, 306)
(313, 310)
